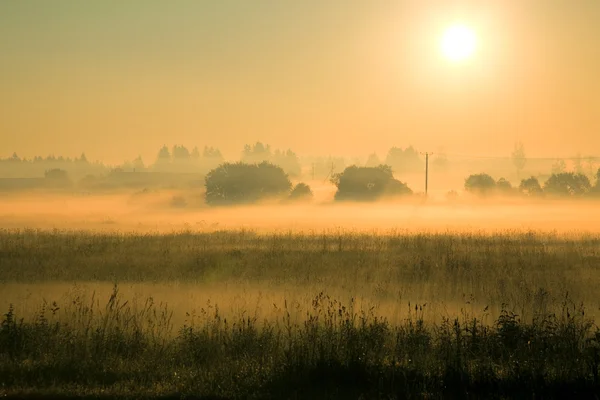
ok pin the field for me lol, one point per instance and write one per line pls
(290, 314)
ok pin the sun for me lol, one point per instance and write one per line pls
(458, 43)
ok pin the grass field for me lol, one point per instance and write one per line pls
(334, 314)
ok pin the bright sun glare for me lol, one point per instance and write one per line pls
(458, 43)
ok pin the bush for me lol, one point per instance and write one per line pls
(503, 186)
(238, 183)
(480, 184)
(567, 184)
(301, 192)
(368, 183)
(531, 187)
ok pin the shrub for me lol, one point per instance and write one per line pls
(301, 192)
(237, 183)
(503, 186)
(480, 184)
(567, 184)
(531, 187)
(368, 183)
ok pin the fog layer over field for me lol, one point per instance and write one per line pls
(156, 212)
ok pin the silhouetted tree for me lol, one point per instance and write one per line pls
(567, 184)
(164, 155)
(214, 153)
(373, 161)
(287, 160)
(503, 186)
(480, 184)
(367, 183)
(195, 153)
(518, 157)
(235, 183)
(180, 153)
(531, 187)
(401, 161)
(256, 153)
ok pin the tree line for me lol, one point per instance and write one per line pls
(560, 184)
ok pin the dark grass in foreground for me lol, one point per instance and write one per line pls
(337, 351)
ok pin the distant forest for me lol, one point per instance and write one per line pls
(180, 159)
(182, 164)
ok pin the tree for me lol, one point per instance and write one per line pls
(288, 160)
(518, 157)
(195, 153)
(401, 161)
(567, 184)
(83, 158)
(256, 153)
(180, 153)
(503, 186)
(373, 161)
(367, 184)
(237, 183)
(301, 192)
(164, 155)
(212, 152)
(531, 187)
(480, 184)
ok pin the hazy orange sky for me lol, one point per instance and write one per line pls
(120, 78)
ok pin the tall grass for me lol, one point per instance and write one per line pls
(337, 350)
(520, 328)
(524, 269)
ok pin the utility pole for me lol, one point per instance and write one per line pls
(426, 171)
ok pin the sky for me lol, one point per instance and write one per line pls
(117, 79)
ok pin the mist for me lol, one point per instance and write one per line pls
(154, 212)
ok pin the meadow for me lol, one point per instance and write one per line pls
(328, 314)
